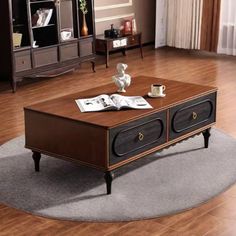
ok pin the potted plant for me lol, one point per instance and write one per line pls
(83, 8)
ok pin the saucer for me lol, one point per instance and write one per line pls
(156, 96)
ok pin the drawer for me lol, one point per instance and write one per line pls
(68, 51)
(22, 61)
(118, 43)
(192, 115)
(136, 137)
(133, 40)
(45, 56)
(86, 47)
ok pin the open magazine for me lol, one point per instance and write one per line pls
(113, 102)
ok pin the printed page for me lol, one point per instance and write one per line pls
(119, 101)
(135, 102)
(99, 103)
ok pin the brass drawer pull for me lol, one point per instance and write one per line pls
(140, 136)
(194, 115)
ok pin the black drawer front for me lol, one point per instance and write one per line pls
(137, 136)
(192, 115)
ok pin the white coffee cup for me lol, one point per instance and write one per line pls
(157, 89)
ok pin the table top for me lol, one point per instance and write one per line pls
(176, 93)
(102, 37)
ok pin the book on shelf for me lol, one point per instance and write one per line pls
(42, 17)
(106, 102)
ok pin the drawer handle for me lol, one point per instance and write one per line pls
(22, 62)
(194, 115)
(140, 136)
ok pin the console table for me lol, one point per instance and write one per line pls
(109, 140)
(106, 45)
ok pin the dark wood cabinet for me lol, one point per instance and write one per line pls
(41, 37)
(107, 45)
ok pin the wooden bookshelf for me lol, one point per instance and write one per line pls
(61, 31)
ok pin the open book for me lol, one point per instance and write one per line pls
(113, 102)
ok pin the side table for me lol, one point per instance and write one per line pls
(106, 45)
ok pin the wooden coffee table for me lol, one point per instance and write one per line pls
(109, 140)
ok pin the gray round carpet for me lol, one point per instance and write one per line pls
(174, 180)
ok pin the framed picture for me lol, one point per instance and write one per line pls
(127, 27)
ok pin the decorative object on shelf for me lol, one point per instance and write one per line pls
(112, 33)
(17, 37)
(35, 45)
(121, 80)
(83, 8)
(66, 35)
(42, 17)
(134, 26)
(127, 27)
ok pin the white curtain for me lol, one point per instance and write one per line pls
(184, 23)
(227, 34)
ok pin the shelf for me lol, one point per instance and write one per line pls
(16, 49)
(19, 25)
(85, 37)
(43, 26)
(42, 1)
(68, 40)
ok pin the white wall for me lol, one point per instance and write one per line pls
(115, 11)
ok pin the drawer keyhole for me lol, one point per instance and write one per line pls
(140, 136)
(194, 115)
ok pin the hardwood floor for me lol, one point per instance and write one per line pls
(214, 218)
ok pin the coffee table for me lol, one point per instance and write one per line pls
(112, 139)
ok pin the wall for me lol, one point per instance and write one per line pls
(109, 12)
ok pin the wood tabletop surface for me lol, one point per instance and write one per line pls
(176, 92)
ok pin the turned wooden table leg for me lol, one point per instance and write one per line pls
(93, 66)
(108, 177)
(206, 134)
(141, 45)
(13, 85)
(123, 52)
(36, 157)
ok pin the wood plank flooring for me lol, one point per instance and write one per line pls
(214, 218)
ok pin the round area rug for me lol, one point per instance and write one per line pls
(168, 182)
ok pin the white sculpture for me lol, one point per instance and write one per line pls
(121, 80)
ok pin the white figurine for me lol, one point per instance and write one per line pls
(121, 80)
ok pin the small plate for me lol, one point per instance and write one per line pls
(154, 96)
